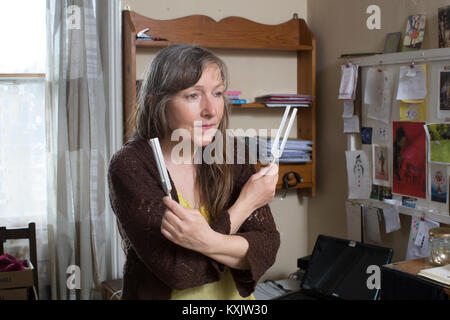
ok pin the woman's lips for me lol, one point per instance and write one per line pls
(209, 126)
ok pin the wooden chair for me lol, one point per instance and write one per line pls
(23, 233)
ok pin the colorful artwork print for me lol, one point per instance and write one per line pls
(439, 183)
(415, 29)
(409, 159)
(381, 161)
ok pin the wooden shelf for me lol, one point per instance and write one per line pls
(232, 33)
(162, 44)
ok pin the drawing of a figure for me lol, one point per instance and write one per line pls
(358, 169)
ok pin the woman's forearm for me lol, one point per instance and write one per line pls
(239, 212)
(230, 250)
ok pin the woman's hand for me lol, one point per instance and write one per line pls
(258, 191)
(186, 227)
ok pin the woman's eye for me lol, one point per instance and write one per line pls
(192, 96)
(218, 94)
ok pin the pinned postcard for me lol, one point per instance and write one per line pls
(349, 109)
(412, 85)
(379, 103)
(366, 135)
(418, 238)
(438, 135)
(380, 134)
(438, 183)
(409, 202)
(444, 93)
(349, 80)
(351, 125)
(414, 110)
(380, 164)
(372, 224)
(359, 174)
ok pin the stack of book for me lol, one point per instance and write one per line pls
(234, 97)
(283, 100)
(294, 150)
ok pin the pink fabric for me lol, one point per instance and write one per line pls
(10, 263)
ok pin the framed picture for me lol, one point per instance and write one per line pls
(392, 42)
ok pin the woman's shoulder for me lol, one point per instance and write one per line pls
(134, 155)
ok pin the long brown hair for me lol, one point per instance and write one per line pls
(174, 69)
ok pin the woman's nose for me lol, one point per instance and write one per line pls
(209, 107)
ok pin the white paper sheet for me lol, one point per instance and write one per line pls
(359, 174)
(391, 216)
(373, 93)
(351, 125)
(349, 79)
(353, 221)
(349, 109)
(422, 250)
(412, 87)
(372, 224)
(381, 109)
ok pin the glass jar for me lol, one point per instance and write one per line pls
(439, 246)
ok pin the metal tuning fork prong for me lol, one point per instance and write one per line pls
(164, 175)
(276, 150)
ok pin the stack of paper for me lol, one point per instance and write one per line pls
(439, 274)
(283, 100)
(294, 150)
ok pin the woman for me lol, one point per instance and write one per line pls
(217, 236)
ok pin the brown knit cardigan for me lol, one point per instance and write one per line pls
(154, 265)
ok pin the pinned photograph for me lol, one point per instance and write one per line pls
(438, 135)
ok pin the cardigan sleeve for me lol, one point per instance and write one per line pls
(263, 238)
(136, 199)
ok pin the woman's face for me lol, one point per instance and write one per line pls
(199, 109)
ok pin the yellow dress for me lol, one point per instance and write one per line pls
(224, 289)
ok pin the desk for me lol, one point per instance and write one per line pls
(400, 281)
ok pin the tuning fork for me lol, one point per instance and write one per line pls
(163, 174)
(276, 151)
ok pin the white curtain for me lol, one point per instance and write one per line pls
(83, 126)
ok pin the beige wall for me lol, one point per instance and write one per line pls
(254, 73)
(340, 27)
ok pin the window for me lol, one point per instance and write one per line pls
(23, 175)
